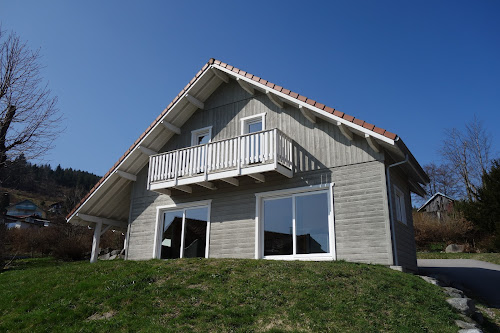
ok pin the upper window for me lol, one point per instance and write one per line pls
(295, 225)
(201, 136)
(399, 198)
(253, 124)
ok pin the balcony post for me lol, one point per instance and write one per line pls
(150, 171)
(239, 155)
(176, 166)
(205, 161)
(277, 142)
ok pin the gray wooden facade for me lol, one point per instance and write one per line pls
(322, 155)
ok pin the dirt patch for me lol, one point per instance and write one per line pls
(105, 315)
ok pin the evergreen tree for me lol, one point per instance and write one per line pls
(485, 212)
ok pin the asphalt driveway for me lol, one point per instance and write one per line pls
(482, 279)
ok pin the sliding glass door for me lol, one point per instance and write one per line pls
(185, 233)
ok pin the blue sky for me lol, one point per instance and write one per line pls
(413, 68)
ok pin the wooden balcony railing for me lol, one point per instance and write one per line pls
(269, 150)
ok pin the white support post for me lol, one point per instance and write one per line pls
(345, 131)
(105, 229)
(308, 114)
(220, 75)
(275, 99)
(246, 86)
(199, 104)
(371, 141)
(95, 242)
(171, 127)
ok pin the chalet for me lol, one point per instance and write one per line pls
(439, 204)
(236, 166)
(25, 214)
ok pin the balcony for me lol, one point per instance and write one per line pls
(249, 154)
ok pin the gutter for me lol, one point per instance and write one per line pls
(391, 213)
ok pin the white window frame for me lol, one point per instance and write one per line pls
(400, 205)
(200, 131)
(160, 210)
(293, 192)
(246, 121)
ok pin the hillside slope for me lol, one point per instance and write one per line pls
(218, 295)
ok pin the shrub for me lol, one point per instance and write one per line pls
(64, 241)
(434, 234)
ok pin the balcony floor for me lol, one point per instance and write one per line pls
(202, 178)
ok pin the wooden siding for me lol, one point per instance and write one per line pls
(361, 221)
(317, 146)
(405, 234)
(321, 155)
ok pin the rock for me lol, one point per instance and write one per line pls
(115, 252)
(433, 281)
(464, 305)
(443, 279)
(466, 325)
(454, 248)
(478, 316)
(453, 292)
(104, 257)
(112, 257)
(470, 330)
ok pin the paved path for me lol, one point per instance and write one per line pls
(480, 277)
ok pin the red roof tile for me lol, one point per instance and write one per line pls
(358, 122)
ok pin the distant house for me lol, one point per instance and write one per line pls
(25, 214)
(438, 204)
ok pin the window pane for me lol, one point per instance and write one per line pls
(278, 230)
(195, 232)
(171, 238)
(203, 139)
(255, 127)
(311, 216)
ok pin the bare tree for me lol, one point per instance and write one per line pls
(442, 179)
(29, 118)
(468, 155)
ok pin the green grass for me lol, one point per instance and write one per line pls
(218, 295)
(489, 257)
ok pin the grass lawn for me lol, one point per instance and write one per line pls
(218, 295)
(489, 257)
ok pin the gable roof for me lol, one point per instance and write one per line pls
(432, 198)
(201, 86)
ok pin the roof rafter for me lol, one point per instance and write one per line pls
(275, 99)
(249, 89)
(196, 102)
(308, 114)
